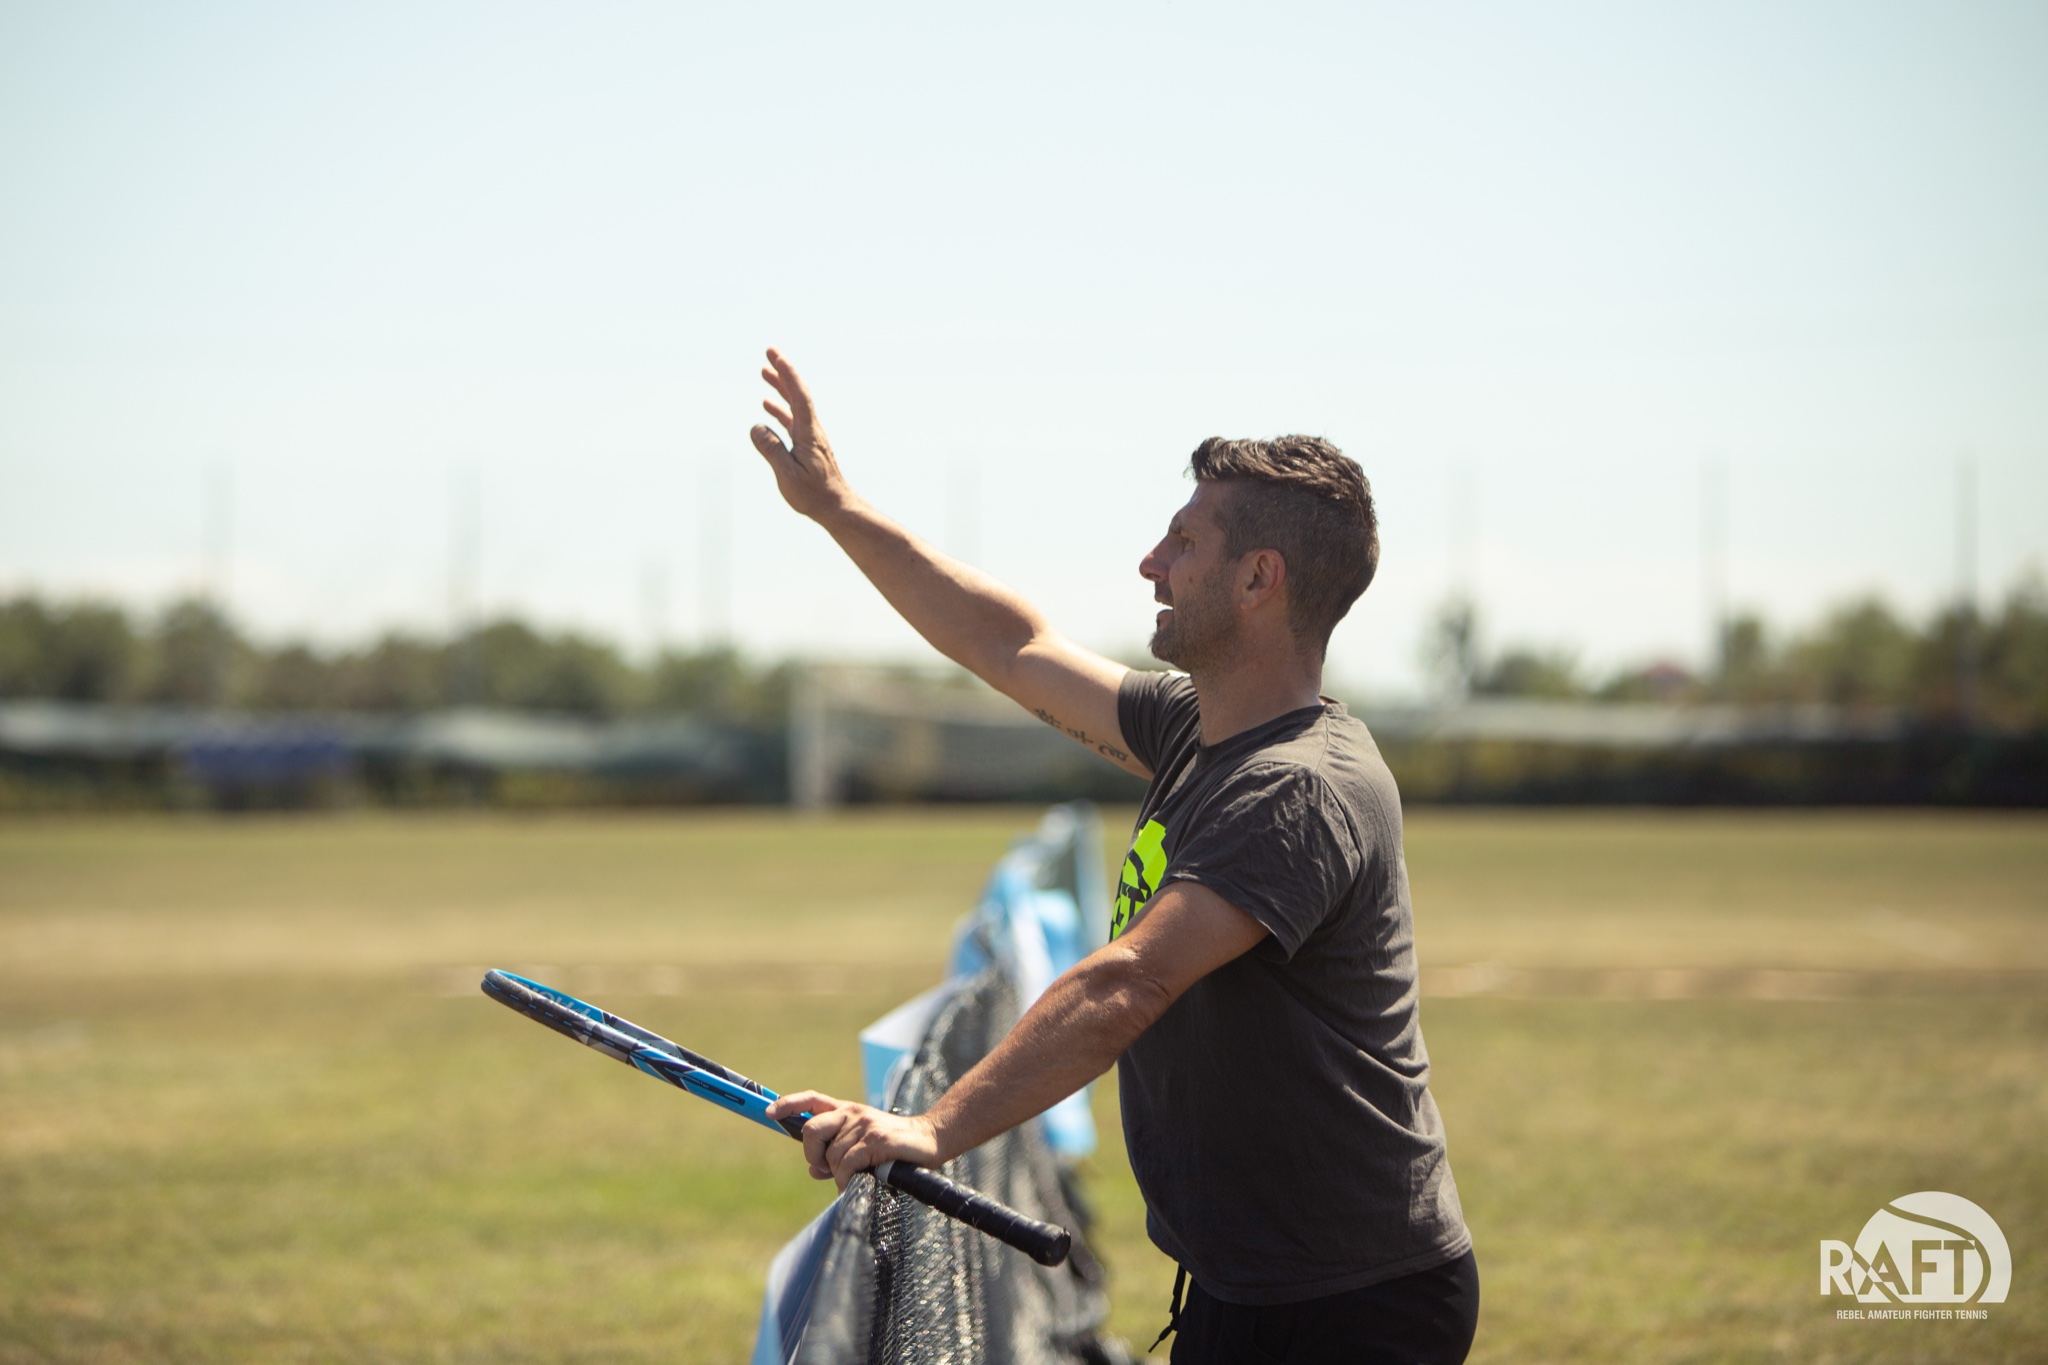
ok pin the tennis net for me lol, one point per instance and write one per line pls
(881, 1279)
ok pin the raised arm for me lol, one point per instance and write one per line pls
(966, 615)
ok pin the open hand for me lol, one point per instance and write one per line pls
(842, 1139)
(806, 471)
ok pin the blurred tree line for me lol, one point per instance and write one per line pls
(1987, 669)
(191, 655)
(1958, 667)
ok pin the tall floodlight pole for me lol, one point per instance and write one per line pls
(1967, 644)
(1714, 560)
(219, 535)
(714, 545)
(465, 573)
(219, 554)
(1463, 600)
(811, 785)
(1464, 539)
(654, 605)
(963, 512)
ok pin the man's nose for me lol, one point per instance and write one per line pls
(1152, 568)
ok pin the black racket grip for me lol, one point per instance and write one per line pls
(1042, 1242)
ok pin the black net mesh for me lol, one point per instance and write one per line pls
(903, 1283)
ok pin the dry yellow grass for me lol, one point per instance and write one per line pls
(251, 1109)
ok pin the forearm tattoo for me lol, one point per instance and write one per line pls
(1108, 751)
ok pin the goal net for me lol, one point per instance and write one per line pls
(861, 734)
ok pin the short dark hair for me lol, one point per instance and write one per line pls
(1305, 498)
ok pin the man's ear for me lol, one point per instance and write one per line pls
(1261, 574)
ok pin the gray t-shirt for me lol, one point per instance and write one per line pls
(1278, 1115)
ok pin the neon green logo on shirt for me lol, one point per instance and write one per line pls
(1143, 866)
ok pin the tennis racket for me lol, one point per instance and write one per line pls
(707, 1080)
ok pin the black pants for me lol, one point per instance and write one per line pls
(1422, 1319)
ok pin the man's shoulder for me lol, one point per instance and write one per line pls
(1332, 760)
(1333, 745)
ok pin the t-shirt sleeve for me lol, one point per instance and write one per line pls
(1274, 843)
(1158, 712)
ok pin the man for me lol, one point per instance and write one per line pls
(1258, 994)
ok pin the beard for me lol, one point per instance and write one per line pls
(1201, 631)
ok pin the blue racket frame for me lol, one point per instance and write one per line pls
(695, 1074)
(646, 1051)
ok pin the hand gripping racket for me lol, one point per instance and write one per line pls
(707, 1080)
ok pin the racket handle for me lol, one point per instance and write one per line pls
(1042, 1242)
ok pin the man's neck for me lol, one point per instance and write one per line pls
(1246, 693)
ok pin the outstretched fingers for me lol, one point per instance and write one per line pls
(786, 380)
(805, 470)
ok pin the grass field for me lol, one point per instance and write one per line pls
(252, 1108)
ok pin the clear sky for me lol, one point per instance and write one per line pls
(340, 263)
